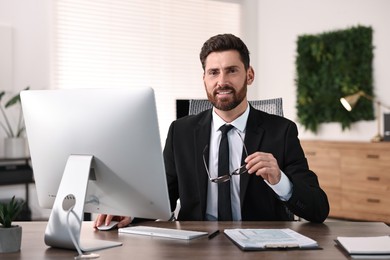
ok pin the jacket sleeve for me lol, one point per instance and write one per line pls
(170, 168)
(308, 200)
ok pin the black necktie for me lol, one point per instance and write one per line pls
(224, 203)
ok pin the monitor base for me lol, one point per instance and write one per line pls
(63, 229)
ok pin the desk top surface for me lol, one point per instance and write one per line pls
(220, 247)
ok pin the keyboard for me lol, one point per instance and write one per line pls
(162, 232)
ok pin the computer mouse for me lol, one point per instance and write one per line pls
(113, 224)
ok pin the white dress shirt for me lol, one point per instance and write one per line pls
(283, 188)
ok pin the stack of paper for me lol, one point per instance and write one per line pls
(366, 247)
(263, 239)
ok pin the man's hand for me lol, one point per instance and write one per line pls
(106, 219)
(264, 165)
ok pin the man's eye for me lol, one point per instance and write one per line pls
(213, 72)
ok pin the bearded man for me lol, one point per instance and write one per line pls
(263, 176)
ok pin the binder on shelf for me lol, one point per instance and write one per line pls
(15, 174)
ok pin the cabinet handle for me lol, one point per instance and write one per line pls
(373, 200)
(373, 178)
(373, 156)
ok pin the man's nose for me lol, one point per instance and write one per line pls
(222, 80)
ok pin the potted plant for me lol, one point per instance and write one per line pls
(10, 235)
(14, 143)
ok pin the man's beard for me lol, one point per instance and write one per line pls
(227, 104)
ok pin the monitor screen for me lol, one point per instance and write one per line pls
(118, 129)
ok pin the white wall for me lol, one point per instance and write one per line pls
(29, 20)
(274, 31)
(280, 22)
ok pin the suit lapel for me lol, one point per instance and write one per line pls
(253, 135)
(202, 138)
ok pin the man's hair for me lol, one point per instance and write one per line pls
(224, 42)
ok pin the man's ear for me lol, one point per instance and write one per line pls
(250, 75)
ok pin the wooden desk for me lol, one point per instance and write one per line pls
(220, 247)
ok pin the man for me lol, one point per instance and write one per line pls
(277, 184)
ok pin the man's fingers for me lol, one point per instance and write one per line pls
(108, 219)
(125, 221)
(99, 220)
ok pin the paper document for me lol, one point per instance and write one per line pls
(162, 232)
(263, 239)
(375, 247)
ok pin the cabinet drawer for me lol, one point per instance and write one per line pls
(366, 160)
(366, 181)
(366, 170)
(326, 164)
(374, 203)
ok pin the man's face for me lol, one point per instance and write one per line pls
(225, 79)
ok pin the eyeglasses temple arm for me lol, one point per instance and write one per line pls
(204, 162)
(243, 143)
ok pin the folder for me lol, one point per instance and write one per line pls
(377, 247)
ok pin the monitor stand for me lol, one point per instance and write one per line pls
(67, 214)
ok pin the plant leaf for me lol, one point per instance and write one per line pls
(9, 211)
(15, 99)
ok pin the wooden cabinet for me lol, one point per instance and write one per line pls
(354, 175)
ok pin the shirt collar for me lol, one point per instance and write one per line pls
(239, 122)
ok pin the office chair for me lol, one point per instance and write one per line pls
(271, 106)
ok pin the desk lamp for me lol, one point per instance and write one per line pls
(350, 101)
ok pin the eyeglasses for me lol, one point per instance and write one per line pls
(224, 178)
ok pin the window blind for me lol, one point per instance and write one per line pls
(136, 43)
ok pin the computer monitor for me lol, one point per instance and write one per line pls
(98, 151)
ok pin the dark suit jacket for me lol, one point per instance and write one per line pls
(187, 178)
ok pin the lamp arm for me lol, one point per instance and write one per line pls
(374, 100)
(383, 105)
(378, 112)
(363, 94)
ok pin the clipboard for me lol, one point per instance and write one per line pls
(270, 239)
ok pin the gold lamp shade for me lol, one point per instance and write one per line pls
(350, 101)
